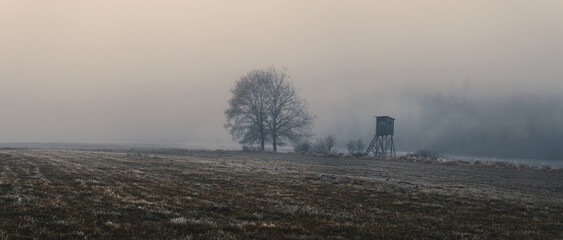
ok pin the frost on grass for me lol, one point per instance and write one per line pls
(178, 220)
(179, 194)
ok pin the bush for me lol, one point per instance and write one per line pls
(324, 145)
(320, 146)
(246, 148)
(428, 154)
(303, 147)
(355, 147)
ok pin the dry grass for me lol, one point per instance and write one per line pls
(177, 194)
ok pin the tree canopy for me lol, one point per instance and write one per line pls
(265, 108)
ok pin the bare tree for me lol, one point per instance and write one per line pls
(288, 117)
(265, 107)
(330, 141)
(320, 146)
(359, 146)
(351, 145)
(303, 147)
(355, 147)
(246, 114)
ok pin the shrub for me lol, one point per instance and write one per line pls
(246, 148)
(303, 147)
(320, 146)
(355, 147)
(428, 154)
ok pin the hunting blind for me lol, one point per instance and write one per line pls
(382, 143)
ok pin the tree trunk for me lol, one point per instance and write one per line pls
(274, 144)
(262, 138)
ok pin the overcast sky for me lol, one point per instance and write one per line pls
(161, 71)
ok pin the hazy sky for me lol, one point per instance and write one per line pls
(161, 71)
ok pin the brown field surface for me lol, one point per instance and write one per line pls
(181, 194)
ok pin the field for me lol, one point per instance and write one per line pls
(181, 194)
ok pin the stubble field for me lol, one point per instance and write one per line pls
(181, 194)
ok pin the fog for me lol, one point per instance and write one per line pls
(476, 77)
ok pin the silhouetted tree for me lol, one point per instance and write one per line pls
(351, 145)
(247, 111)
(359, 146)
(288, 117)
(330, 141)
(320, 146)
(266, 107)
(355, 147)
(303, 147)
